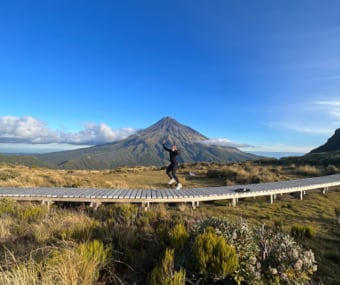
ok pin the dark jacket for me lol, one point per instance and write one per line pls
(172, 153)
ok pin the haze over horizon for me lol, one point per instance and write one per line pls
(263, 76)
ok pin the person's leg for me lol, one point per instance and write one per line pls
(169, 171)
(179, 185)
(174, 168)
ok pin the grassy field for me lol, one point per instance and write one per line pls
(191, 175)
(62, 228)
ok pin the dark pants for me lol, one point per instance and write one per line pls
(171, 171)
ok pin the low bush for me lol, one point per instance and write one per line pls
(302, 231)
(8, 174)
(178, 236)
(164, 272)
(308, 170)
(214, 257)
(265, 255)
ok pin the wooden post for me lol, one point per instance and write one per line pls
(95, 205)
(271, 199)
(47, 203)
(324, 190)
(301, 195)
(146, 205)
(193, 204)
(234, 202)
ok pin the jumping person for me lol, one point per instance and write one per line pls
(171, 169)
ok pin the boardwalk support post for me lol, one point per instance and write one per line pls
(95, 205)
(271, 199)
(47, 203)
(146, 205)
(324, 190)
(234, 202)
(301, 195)
(195, 204)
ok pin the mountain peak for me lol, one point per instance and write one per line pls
(169, 128)
(167, 121)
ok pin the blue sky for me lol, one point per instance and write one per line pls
(259, 73)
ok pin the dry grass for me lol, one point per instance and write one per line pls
(69, 265)
(124, 178)
(193, 175)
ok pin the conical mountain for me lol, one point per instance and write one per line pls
(145, 148)
(332, 144)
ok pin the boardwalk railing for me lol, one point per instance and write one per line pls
(195, 195)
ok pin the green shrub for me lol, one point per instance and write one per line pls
(331, 169)
(78, 265)
(214, 256)
(8, 174)
(178, 235)
(265, 255)
(8, 207)
(302, 231)
(241, 237)
(307, 170)
(124, 214)
(164, 273)
(283, 261)
(31, 213)
(24, 212)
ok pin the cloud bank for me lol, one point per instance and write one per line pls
(224, 142)
(30, 130)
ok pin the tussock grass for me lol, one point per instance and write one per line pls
(190, 175)
(76, 264)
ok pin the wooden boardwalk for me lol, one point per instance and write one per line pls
(97, 196)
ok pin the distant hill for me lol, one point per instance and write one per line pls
(28, 160)
(145, 148)
(317, 159)
(332, 144)
(326, 155)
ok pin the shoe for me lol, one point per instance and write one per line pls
(179, 186)
(171, 181)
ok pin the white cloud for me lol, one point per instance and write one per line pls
(330, 107)
(279, 148)
(223, 142)
(25, 129)
(30, 130)
(317, 118)
(307, 129)
(331, 103)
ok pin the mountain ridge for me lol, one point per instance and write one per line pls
(332, 144)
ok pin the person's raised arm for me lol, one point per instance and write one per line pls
(167, 149)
